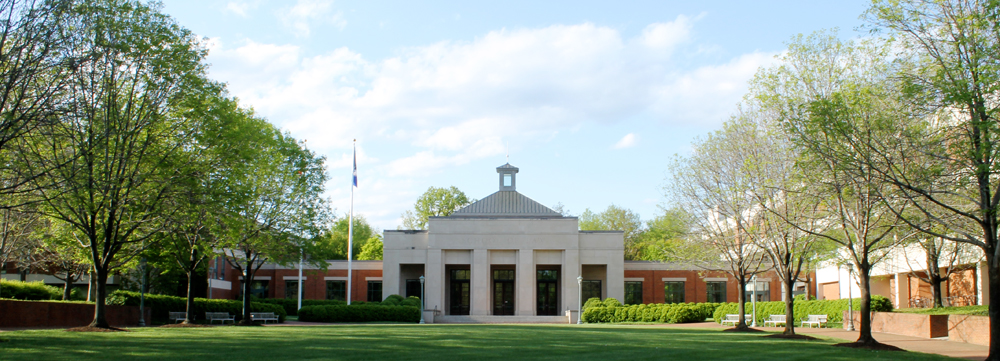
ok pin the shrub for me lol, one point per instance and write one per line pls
(611, 302)
(360, 313)
(412, 301)
(392, 300)
(592, 302)
(162, 305)
(32, 291)
(291, 306)
(833, 309)
(657, 312)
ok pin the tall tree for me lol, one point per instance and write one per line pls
(664, 236)
(954, 84)
(118, 144)
(333, 243)
(435, 202)
(616, 218)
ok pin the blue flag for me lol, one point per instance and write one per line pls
(355, 167)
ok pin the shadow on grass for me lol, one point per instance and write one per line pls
(423, 342)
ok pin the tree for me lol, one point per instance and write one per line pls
(435, 202)
(712, 186)
(830, 93)
(937, 252)
(372, 250)
(333, 243)
(117, 145)
(616, 218)
(953, 88)
(664, 236)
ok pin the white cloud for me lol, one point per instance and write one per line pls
(628, 141)
(302, 16)
(241, 7)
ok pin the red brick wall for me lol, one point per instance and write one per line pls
(64, 314)
(314, 287)
(970, 329)
(908, 324)
(695, 287)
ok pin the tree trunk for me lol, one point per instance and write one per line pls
(100, 317)
(789, 305)
(993, 270)
(68, 286)
(808, 285)
(741, 304)
(865, 329)
(247, 280)
(189, 314)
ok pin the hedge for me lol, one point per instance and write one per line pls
(162, 305)
(31, 291)
(833, 309)
(397, 300)
(369, 312)
(611, 311)
(291, 306)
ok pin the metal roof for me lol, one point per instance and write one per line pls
(506, 204)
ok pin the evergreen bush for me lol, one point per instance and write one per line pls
(291, 306)
(614, 312)
(31, 291)
(833, 309)
(360, 313)
(162, 305)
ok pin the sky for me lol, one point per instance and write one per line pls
(592, 100)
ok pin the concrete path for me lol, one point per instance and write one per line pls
(937, 346)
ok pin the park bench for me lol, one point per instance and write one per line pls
(219, 316)
(818, 320)
(774, 320)
(263, 317)
(179, 316)
(734, 319)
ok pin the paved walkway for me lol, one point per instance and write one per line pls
(937, 346)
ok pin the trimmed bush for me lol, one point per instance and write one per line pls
(833, 309)
(31, 291)
(653, 312)
(360, 313)
(392, 300)
(291, 306)
(162, 305)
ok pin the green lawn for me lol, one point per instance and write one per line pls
(423, 342)
(964, 310)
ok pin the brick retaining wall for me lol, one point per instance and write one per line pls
(908, 324)
(969, 329)
(18, 314)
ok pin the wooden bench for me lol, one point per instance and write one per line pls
(263, 317)
(774, 320)
(219, 316)
(734, 319)
(179, 316)
(818, 320)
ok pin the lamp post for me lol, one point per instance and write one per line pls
(422, 307)
(850, 298)
(142, 292)
(579, 316)
(753, 299)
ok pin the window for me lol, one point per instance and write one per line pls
(763, 291)
(413, 288)
(633, 293)
(292, 290)
(506, 180)
(503, 275)
(460, 275)
(716, 291)
(220, 268)
(591, 289)
(673, 292)
(374, 291)
(336, 290)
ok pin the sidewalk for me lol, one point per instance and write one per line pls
(936, 346)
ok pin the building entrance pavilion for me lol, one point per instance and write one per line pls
(505, 255)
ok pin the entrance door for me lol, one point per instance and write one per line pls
(548, 293)
(503, 292)
(459, 292)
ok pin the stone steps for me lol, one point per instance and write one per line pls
(501, 319)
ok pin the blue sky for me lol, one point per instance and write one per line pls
(592, 99)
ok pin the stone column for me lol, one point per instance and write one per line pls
(524, 289)
(570, 288)
(902, 290)
(480, 283)
(616, 280)
(434, 281)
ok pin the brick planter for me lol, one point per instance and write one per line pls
(969, 329)
(908, 324)
(27, 314)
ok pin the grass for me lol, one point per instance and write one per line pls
(421, 342)
(964, 310)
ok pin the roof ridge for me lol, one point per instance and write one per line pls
(507, 203)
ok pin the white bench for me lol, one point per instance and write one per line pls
(774, 320)
(179, 316)
(818, 320)
(219, 316)
(263, 317)
(734, 319)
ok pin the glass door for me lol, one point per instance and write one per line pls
(548, 292)
(459, 292)
(503, 292)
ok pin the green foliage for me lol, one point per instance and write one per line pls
(291, 306)
(663, 238)
(592, 302)
(833, 309)
(332, 244)
(370, 312)
(614, 312)
(435, 202)
(162, 305)
(962, 310)
(615, 218)
(32, 291)
(397, 300)
(393, 300)
(372, 250)
(802, 297)
(611, 302)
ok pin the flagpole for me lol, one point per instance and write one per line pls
(350, 224)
